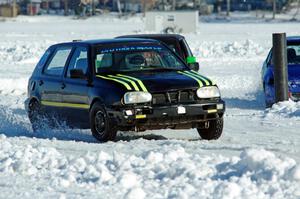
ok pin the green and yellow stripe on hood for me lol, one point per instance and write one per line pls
(202, 80)
(129, 82)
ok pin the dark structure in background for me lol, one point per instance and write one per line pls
(32, 7)
(247, 5)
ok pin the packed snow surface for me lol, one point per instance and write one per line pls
(257, 156)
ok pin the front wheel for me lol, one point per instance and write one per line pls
(101, 126)
(269, 100)
(213, 130)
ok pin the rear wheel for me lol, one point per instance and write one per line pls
(213, 130)
(35, 115)
(101, 126)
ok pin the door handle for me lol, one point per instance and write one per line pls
(63, 85)
(41, 82)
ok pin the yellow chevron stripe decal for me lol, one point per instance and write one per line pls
(128, 80)
(186, 74)
(116, 80)
(212, 82)
(200, 77)
(135, 79)
(61, 104)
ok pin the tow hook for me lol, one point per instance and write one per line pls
(206, 125)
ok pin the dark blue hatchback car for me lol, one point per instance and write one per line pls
(122, 85)
(293, 57)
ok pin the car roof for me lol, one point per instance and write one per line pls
(293, 38)
(109, 41)
(157, 36)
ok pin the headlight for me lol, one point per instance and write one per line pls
(208, 92)
(137, 97)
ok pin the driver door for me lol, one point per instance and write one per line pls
(75, 90)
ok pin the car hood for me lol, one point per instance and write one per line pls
(155, 82)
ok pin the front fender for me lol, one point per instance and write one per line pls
(108, 94)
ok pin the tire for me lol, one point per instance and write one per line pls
(101, 126)
(214, 131)
(36, 118)
(267, 103)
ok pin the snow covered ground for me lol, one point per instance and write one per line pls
(257, 156)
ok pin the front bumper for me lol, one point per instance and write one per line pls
(181, 116)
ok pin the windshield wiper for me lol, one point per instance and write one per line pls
(162, 68)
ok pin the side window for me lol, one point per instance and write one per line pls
(186, 48)
(79, 60)
(58, 61)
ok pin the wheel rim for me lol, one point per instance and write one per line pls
(100, 121)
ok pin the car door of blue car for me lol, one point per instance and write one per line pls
(75, 90)
(50, 81)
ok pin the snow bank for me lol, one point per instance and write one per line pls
(25, 52)
(287, 109)
(226, 49)
(111, 17)
(22, 52)
(171, 171)
(9, 86)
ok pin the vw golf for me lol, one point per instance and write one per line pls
(122, 85)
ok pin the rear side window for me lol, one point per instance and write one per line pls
(44, 59)
(58, 61)
(79, 60)
(174, 45)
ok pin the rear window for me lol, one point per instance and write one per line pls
(58, 61)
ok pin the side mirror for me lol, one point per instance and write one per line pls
(77, 74)
(194, 66)
(192, 63)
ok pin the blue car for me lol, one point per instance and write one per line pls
(293, 58)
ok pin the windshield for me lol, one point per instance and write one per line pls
(293, 53)
(136, 58)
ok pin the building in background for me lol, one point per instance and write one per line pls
(132, 5)
(33, 7)
(7, 10)
(74, 7)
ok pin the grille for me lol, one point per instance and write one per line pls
(175, 97)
